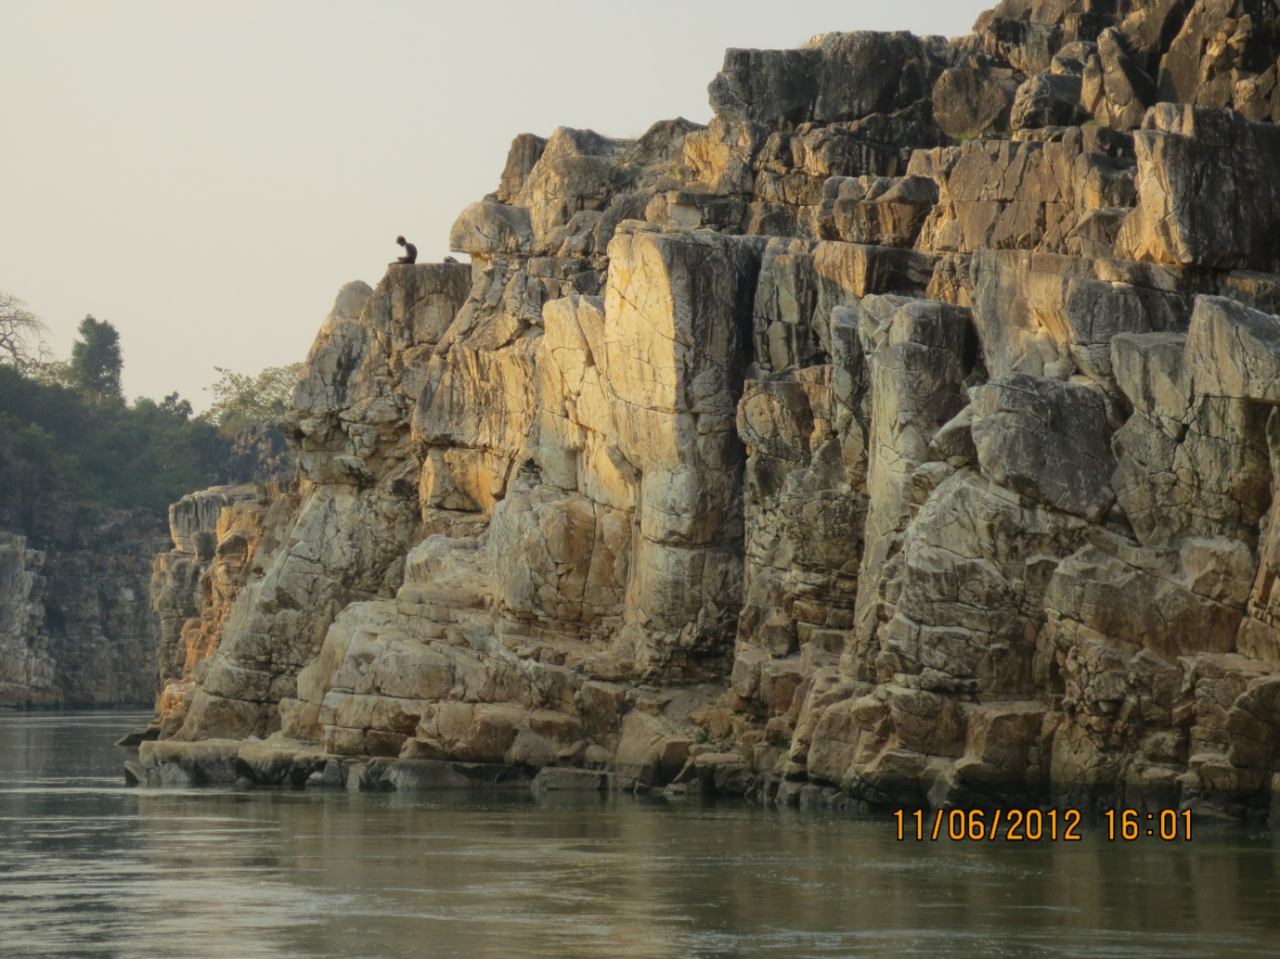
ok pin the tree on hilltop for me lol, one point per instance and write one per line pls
(96, 362)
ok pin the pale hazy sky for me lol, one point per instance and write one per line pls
(206, 175)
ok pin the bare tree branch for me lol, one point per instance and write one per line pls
(22, 336)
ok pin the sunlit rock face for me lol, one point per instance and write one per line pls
(905, 435)
(217, 536)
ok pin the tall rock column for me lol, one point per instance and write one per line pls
(918, 353)
(676, 341)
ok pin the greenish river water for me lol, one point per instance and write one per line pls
(90, 868)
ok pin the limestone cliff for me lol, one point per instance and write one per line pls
(907, 435)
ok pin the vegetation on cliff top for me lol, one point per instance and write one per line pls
(71, 446)
(241, 402)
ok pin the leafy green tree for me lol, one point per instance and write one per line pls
(96, 362)
(241, 401)
(175, 405)
(53, 373)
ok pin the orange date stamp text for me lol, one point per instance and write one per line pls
(1036, 825)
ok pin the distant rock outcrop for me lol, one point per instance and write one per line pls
(906, 435)
(76, 627)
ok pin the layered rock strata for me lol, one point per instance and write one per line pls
(905, 436)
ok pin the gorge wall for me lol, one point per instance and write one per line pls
(76, 624)
(907, 435)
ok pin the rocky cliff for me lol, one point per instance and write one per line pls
(216, 536)
(76, 626)
(906, 435)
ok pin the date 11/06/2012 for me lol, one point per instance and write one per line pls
(1034, 825)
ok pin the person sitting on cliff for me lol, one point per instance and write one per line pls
(410, 251)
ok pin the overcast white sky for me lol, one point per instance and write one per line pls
(206, 175)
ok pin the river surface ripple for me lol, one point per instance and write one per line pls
(94, 870)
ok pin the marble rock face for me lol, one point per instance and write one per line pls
(906, 433)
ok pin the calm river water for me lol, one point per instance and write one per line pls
(90, 868)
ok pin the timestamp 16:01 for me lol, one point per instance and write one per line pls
(1034, 825)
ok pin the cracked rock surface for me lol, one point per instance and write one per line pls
(905, 435)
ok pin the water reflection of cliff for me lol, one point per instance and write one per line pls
(92, 869)
(386, 875)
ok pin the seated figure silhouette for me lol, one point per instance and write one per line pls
(410, 251)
